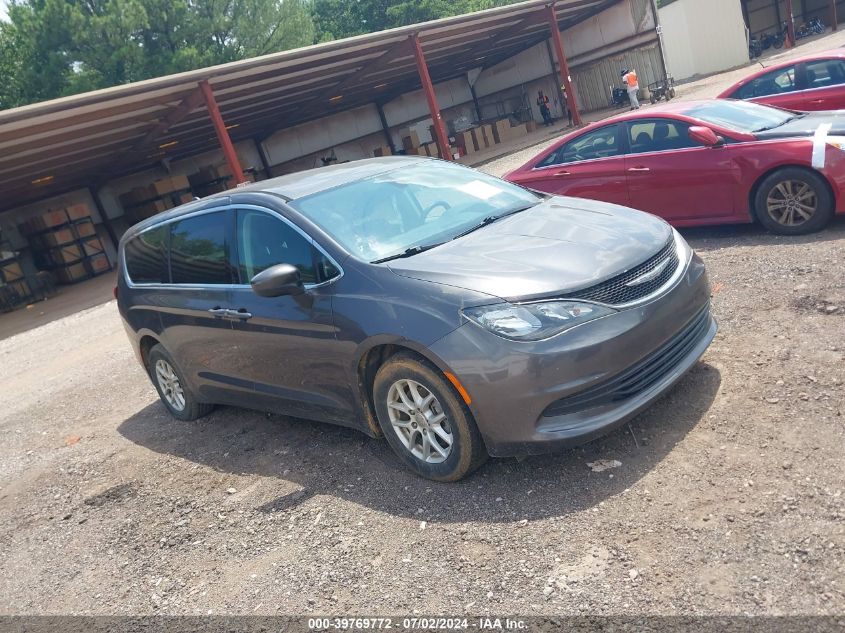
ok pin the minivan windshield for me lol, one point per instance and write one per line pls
(409, 209)
(741, 116)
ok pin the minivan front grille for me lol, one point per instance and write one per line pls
(640, 376)
(635, 283)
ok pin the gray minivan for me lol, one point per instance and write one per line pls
(455, 314)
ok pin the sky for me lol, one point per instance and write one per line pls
(3, 4)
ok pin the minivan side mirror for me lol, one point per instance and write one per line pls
(705, 136)
(278, 280)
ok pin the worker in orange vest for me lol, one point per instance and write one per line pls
(629, 78)
(543, 104)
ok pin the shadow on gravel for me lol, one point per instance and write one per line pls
(708, 238)
(339, 462)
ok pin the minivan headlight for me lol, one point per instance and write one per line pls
(683, 249)
(534, 321)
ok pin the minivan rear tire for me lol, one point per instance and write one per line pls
(166, 375)
(466, 451)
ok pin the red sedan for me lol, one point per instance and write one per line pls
(705, 162)
(814, 82)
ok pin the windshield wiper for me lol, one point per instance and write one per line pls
(493, 218)
(408, 252)
(772, 127)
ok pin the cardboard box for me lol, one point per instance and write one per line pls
(71, 274)
(531, 126)
(78, 211)
(185, 198)
(382, 150)
(411, 142)
(11, 271)
(162, 187)
(487, 133)
(137, 196)
(84, 229)
(21, 287)
(518, 130)
(65, 254)
(179, 183)
(465, 141)
(99, 264)
(57, 237)
(501, 130)
(93, 247)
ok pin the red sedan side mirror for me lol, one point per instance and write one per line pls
(705, 136)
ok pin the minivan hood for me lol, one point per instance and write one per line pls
(559, 246)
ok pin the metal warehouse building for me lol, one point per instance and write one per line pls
(77, 171)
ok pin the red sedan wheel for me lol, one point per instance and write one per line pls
(793, 201)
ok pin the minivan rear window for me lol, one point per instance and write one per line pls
(146, 260)
(199, 250)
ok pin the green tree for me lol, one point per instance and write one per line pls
(33, 57)
(334, 19)
(51, 48)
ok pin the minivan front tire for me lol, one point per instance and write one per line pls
(424, 420)
(172, 389)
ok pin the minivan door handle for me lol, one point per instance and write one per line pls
(239, 315)
(638, 169)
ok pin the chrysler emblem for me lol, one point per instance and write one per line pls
(654, 273)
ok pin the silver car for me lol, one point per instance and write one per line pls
(453, 313)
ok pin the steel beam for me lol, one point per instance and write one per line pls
(834, 19)
(95, 195)
(431, 97)
(557, 42)
(259, 147)
(222, 133)
(388, 137)
(790, 25)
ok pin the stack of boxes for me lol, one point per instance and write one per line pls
(413, 147)
(65, 242)
(144, 202)
(469, 141)
(487, 135)
(11, 275)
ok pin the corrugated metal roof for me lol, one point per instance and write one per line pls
(89, 138)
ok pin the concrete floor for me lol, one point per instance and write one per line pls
(68, 300)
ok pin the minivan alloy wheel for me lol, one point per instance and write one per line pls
(792, 202)
(419, 421)
(170, 386)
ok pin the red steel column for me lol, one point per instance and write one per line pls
(557, 41)
(222, 133)
(834, 20)
(433, 107)
(790, 25)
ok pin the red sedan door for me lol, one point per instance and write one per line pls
(591, 165)
(825, 85)
(672, 176)
(778, 87)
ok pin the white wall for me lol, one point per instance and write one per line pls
(701, 38)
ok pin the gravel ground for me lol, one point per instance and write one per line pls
(728, 499)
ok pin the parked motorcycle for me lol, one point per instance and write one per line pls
(755, 48)
(776, 39)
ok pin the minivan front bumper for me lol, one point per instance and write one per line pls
(536, 397)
